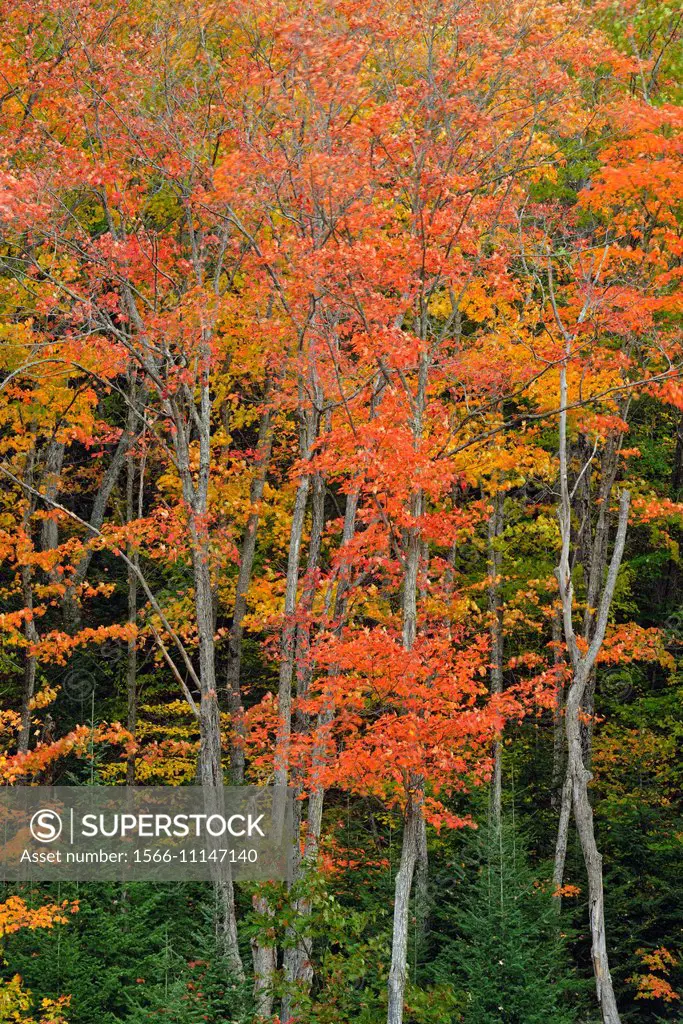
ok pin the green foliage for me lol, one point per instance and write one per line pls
(127, 949)
(500, 942)
(194, 992)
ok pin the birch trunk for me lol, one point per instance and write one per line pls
(595, 568)
(286, 674)
(210, 766)
(404, 881)
(582, 665)
(413, 825)
(583, 815)
(562, 839)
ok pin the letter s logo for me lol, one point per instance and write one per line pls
(46, 826)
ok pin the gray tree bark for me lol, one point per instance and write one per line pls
(307, 433)
(582, 666)
(410, 848)
(298, 964)
(264, 959)
(412, 842)
(288, 640)
(234, 692)
(195, 487)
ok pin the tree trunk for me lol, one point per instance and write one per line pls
(31, 634)
(54, 460)
(210, 754)
(317, 796)
(302, 968)
(422, 882)
(287, 643)
(595, 566)
(561, 792)
(583, 665)
(210, 765)
(558, 710)
(495, 528)
(414, 826)
(308, 432)
(562, 838)
(264, 958)
(234, 693)
(404, 881)
(297, 954)
(131, 653)
(30, 631)
(304, 670)
(583, 815)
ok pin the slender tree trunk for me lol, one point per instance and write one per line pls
(317, 796)
(264, 959)
(31, 634)
(210, 753)
(54, 460)
(304, 670)
(297, 953)
(595, 566)
(413, 826)
(560, 792)
(297, 967)
(410, 850)
(583, 815)
(495, 528)
(210, 765)
(582, 666)
(131, 653)
(562, 838)
(234, 692)
(558, 723)
(287, 643)
(308, 431)
(422, 881)
(412, 842)
(30, 631)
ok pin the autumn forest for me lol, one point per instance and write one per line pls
(341, 448)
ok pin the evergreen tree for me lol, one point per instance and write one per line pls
(498, 935)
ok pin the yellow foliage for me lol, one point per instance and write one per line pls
(16, 1004)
